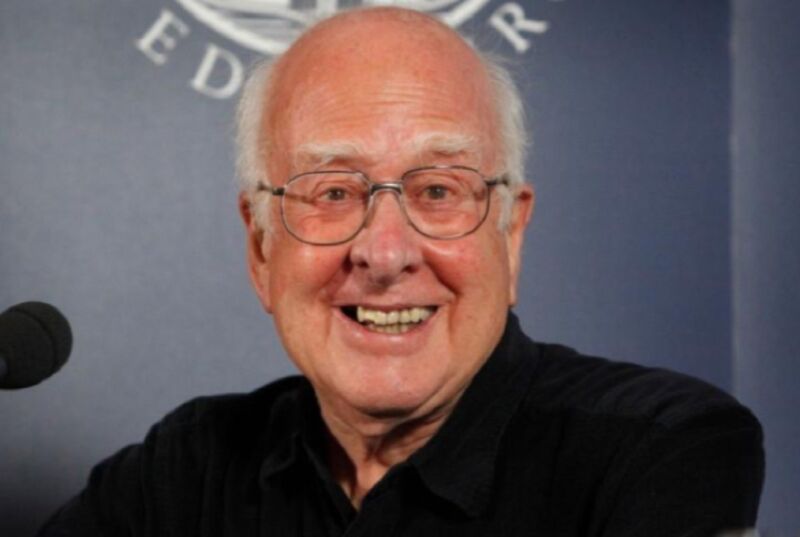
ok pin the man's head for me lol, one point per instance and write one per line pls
(383, 91)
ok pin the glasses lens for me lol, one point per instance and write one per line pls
(445, 202)
(325, 207)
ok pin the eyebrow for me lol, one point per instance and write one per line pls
(444, 144)
(314, 154)
(425, 145)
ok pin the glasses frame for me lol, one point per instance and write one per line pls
(393, 186)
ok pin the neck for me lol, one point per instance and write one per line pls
(361, 451)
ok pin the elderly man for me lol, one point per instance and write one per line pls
(384, 208)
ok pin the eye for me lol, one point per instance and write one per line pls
(438, 188)
(436, 192)
(335, 190)
(335, 194)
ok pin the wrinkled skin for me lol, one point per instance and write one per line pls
(383, 395)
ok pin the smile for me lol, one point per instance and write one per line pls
(396, 321)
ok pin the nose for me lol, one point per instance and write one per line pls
(387, 247)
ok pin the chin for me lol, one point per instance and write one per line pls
(382, 407)
(388, 413)
(397, 407)
(381, 402)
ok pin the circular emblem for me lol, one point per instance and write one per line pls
(270, 26)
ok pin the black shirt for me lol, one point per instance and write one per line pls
(544, 442)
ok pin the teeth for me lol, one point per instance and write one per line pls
(395, 321)
(390, 328)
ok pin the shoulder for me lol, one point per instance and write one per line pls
(669, 453)
(203, 410)
(180, 469)
(230, 419)
(567, 381)
(218, 427)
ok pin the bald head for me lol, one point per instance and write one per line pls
(401, 63)
(375, 35)
(376, 41)
(380, 59)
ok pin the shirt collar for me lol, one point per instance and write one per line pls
(293, 419)
(458, 463)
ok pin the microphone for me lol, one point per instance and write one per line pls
(35, 341)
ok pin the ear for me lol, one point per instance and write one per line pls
(257, 258)
(521, 212)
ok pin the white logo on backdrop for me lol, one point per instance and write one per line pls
(269, 26)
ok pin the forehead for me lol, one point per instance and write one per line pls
(399, 91)
(424, 145)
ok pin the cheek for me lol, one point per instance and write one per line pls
(474, 267)
(302, 273)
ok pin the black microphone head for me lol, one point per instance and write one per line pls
(35, 341)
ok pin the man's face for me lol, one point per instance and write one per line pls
(382, 112)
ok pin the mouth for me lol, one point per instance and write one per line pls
(391, 321)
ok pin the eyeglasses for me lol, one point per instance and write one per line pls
(331, 207)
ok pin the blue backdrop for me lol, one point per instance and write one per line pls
(766, 249)
(664, 158)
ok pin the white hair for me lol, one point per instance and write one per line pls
(253, 146)
(251, 149)
(513, 134)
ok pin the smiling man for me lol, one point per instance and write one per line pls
(384, 206)
(387, 290)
